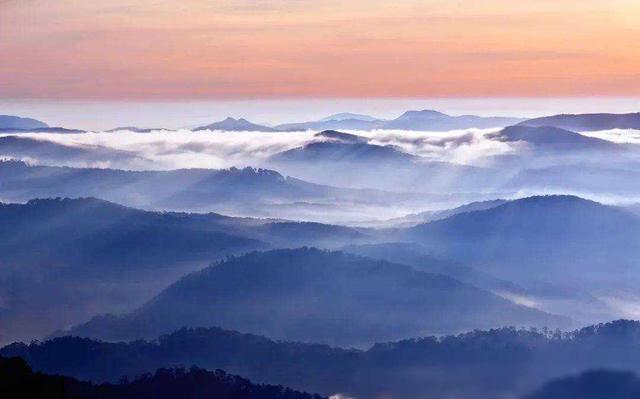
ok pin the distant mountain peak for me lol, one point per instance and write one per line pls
(342, 137)
(348, 115)
(233, 124)
(432, 120)
(423, 113)
(17, 122)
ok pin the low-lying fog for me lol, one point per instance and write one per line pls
(436, 170)
(220, 149)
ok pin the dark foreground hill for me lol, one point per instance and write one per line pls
(481, 365)
(317, 296)
(17, 380)
(596, 384)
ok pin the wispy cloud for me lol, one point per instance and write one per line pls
(220, 149)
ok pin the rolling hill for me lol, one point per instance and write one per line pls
(16, 122)
(553, 238)
(65, 260)
(19, 380)
(504, 362)
(547, 138)
(317, 296)
(243, 192)
(587, 122)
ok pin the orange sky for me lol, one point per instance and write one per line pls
(161, 49)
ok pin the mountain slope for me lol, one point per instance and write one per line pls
(489, 364)
(236, 125)
(349, 115)
(424, 120)
(312, 295)
(558, 238)
(16, 122)
(583, 177)
(69, 259)
(20, 381)
(247, 192)
(428, 120)
(554, 139)
(429, 216)
(587, 122)
(64, 260)
(414, 255)
(342, 124)
(594, 384)
(342, 151)
(349, 160)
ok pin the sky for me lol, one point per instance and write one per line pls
(161, 50)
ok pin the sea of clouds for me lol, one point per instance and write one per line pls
(222, 149)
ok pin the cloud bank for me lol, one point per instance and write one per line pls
(220, 149)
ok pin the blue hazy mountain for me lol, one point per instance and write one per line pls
(342, 147)
(549, 138)
(349, 160)
(317, 296)
(587, 122)
(60, 130)
(554, 238)
(74, 257)
(135, 129)
(425, 120)
(341, 137)
(16, 122)
(416, 256)
(429, 120)
(428, 216)
(581, 177)
(593, 384)
(248, 191)
(333, 124)
(63, 260)
(349, 115)
(504, 362)
(232, 124)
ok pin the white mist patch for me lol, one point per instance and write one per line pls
(188, 149)
(467, 146)
(523, 300)
(621, 136)
(340, 396)
(222, 149)
(628, 307)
